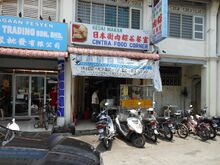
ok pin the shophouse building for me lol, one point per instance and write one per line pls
(189, 56)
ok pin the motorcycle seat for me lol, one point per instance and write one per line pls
(162, 119)
(216, 117)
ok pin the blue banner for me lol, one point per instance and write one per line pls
(32, 34)
(160, 20)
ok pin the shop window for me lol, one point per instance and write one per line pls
(186, 26)
(108, 15)
(135, 19)
(186, 20)
(198, 28)
(31, 8)
(123, 17)
(171, 76)
(97, 14)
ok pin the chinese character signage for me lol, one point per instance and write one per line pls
(104, 66)
(32, 34)
(160, 18)
(106, 36)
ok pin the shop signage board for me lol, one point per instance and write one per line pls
(32, 34)
(103, 66)
(160, 20)
(106, 36)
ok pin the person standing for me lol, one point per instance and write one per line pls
(53, 97)
(95, 104)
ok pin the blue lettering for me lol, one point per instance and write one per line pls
(120, 44)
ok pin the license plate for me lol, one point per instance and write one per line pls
(101, 130)
(170, 125)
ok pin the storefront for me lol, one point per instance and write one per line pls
(119, 60)
(31, 64)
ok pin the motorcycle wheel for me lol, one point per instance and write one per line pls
(138, 140)
(107, 143)
(182, 130)
(168, 133)
(203, 133)
(212, 132)
(151, 135)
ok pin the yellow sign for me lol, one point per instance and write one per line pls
(124, 90)
(135, 103)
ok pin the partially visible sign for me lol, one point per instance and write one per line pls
(134, 103)
(160, 18)
(87, 65)
(32, 34)
(106, 36)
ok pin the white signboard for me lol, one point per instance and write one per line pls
(106, 36)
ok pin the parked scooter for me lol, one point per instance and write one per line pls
(131, 129)
(105, 128)
(197, 127)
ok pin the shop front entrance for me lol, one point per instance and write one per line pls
(30, 93)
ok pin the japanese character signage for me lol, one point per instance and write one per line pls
(105, 66)
(32, 34)
(106, 36)
(160, 18)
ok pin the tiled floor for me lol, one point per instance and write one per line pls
(85, 125)
(26, 125)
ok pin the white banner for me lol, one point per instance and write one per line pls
(86, 65)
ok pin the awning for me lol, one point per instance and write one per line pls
(32, 53)
(101, 52)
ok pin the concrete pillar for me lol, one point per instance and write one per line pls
(204, 89)
(218, 88)
(68, 91)
(211, 47)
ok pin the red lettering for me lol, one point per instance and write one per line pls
(131, 38)
(138, 39)
(146, 39)
(102, 35)
(110, 36)
(124, 37)
(118, 37)
(159, 19)
(95, 34)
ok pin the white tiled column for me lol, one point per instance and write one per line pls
(211, 47)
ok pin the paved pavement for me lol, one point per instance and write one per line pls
(189, 151)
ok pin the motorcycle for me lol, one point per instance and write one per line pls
(212, 124)
(131, 128)
(165, 127)
(197, 127)
(180, 128)
(216, 120)
(150, 124)
(105, 128)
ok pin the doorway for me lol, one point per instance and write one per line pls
(31, 91)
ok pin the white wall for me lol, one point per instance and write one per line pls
(183, 47)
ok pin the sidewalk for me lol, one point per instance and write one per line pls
(189, 151)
